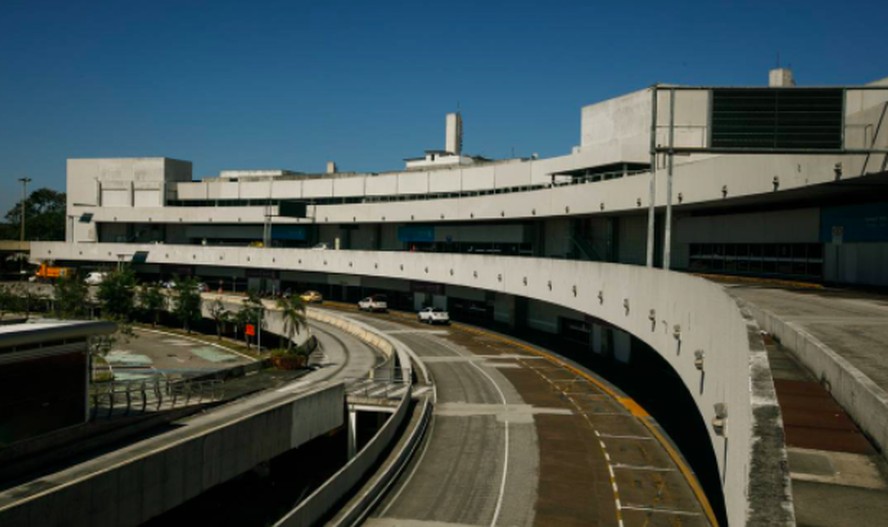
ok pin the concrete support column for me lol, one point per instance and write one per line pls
(352, 433)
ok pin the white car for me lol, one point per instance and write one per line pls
(373, 303)
(95, 278)
(433, 315)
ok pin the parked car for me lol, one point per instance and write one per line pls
(373, 303)
(433, 315)
(95, 278)
(200, 287)
(312, 297)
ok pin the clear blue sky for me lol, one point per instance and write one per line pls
(293, 84)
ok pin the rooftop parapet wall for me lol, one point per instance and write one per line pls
(676, 314)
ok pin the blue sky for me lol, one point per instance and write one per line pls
(293, 84)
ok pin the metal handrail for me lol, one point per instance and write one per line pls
(125, 397)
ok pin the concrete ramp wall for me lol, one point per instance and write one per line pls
(681, 317)
(133, 484)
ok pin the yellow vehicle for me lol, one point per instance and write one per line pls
(47, 272)
(311, 297)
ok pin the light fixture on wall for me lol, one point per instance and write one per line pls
(698, 359)
(720, 421)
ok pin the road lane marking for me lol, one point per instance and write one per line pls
(660, 510)
(631, 437)
(646, 421)
(650, 468)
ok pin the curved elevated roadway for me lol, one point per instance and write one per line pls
(79, 493)
(519, 438)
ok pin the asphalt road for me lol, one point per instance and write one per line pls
(519, 440)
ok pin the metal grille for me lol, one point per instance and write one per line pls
(782, 118)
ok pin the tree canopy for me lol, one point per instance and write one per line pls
(71, 297)
(44, 216)
(117, 294)
(188, 302)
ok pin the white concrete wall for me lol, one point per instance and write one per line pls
(707, 319)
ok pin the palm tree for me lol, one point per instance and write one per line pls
(293, 313)
(220, 315)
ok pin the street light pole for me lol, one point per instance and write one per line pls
(25, 181)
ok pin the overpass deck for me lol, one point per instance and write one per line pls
(832, 353)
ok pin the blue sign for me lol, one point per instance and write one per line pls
(416, 233)
(289, 232)
(865, 222)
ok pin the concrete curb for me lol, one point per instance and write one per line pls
(864, 400)
(770, 497)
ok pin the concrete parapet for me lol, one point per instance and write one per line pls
(865, 401)
(691, 323)
(133, 484)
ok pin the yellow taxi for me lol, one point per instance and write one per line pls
(311, 297)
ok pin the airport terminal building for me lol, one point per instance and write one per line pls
(775, 181)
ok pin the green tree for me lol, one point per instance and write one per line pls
(152, 301)
(44, 216)
(293, 313)
(240, 319)
(71, 297)
(220, 315)
(9, 301)
(252, 312)
(116, 294)
(187, 302)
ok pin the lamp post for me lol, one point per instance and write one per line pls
(24, 181)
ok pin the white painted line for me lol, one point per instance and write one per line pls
(617, 436)
(657, 509)
(644, 467)
(502, 490)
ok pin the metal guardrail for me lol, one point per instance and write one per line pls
(122, 398)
